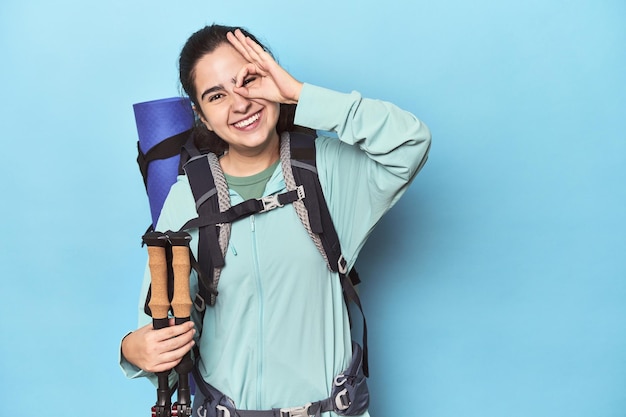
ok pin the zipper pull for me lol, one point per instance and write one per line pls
(252, 222)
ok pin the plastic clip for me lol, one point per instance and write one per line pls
(222, 411)
(342, 400)
(199, 303)
(342, 265)
(296, 411)
(270, 202)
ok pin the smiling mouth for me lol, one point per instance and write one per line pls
(247, 122)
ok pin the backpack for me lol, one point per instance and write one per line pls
(210, 191)
(215, 214)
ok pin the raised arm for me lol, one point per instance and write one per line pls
(380, 150)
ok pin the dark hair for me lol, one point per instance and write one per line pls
(201, 43)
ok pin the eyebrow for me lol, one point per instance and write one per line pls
(218, 87)
(211, 90)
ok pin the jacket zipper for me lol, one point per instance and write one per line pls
(257, 274)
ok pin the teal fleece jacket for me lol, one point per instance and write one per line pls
(279, 332)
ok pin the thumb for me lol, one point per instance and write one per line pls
(242, 91)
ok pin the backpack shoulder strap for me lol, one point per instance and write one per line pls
(301, 170)
(317, 220)
(188, 151)
(210, 192)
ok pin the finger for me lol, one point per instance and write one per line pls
(170, 359)
(175, 343)
(179, 352)
(162, 367)
(243, 73)
(237, 40)
(247, 71)
(252, 51)
(242, 91)
(255, 50)
(170, 332)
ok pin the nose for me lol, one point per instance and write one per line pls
(240, 103)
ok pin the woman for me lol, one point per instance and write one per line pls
(279, 333)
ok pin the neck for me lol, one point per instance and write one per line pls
(245, 162)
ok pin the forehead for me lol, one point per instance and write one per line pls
(218, 67)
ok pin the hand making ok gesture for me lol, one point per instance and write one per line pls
(274, 84)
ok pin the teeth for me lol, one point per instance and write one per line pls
(248, 121)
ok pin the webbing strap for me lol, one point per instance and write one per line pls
(163, 150)
(351, 294)
(204, 285)
(214, 401)
(244, 209)
(313, 409)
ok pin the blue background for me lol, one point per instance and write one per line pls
(495, 288)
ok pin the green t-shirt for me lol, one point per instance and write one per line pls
(253, 185)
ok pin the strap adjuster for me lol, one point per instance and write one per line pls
(300, 191)
(342, 265)
(296, 411)
(199, 303)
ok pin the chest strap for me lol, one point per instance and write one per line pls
(246, 208)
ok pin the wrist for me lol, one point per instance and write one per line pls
(295, 95)
(124, 345)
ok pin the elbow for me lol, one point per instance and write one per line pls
(422, 140)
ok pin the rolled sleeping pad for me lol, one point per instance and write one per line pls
(157, 121)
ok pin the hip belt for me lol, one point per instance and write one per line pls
(349, 396)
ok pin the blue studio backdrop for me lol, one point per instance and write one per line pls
(496, 287)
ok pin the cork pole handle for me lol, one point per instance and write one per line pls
(157, 261)
(181, 265)
(159, 307)
(181, 305)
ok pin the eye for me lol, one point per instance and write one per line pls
(248, 80)
(215, 97)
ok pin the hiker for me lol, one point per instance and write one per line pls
(278, 336)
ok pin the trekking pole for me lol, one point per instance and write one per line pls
(181, 305)
(159, 306)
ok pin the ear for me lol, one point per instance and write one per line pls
(202, 119)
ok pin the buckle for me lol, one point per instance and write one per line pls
(296, 411)
(342, 400)
(340, 380)
(270, 202)
(222, 411)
